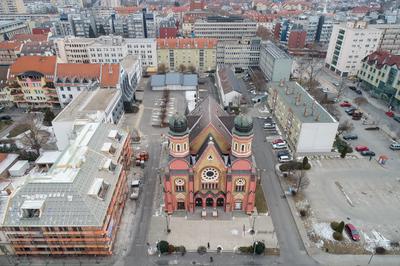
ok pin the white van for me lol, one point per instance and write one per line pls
(395, 146)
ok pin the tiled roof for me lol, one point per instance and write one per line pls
(381, 58)
(78, 70)
(42, 64)
(10, 45)
(109, 75)
(187, 43)
(30, 37)
(228, 80)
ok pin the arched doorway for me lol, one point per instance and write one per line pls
(209, 202)
(220, 202)
(199, 202)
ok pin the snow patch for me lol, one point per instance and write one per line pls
(323, 230)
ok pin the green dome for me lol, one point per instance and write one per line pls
(243, 124)
(178, 124)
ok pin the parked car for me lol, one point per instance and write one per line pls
(269, 125)
(345, 104)
(350, 110)
(361, 148)
(358, 91)
(371, 128)
(350, 137)
(279, 146)
(395, 146)
(276, 141)
(284, 158)
(368, 153)
(389, 114)
(353, 232)
(5, 117)
(282, 152)
(336, 84)
(2, 109)
(396, 118)
(135, 189)
(356, 115)
(352, 88)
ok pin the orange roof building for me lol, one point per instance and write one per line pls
(44, 65)
(9, 51)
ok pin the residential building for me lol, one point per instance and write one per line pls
(210, 169)
(99, 105)
(107, 49)
(9, 51)
(349, 44)
(145, 49)
(72, 49)
(168, 29)
(45, 48)
(74, 208)
(324, 30)
(305, 124)
(241, 53)
(5, 94)
(390, 40)
(275, 63)
(225, 28)
(12, 6)
(31, 82)
(297, 38)
(176, 54)
(174, 82)
(228, 86)
(380, 74)
(130, 75)
(8, 28)
(197, 5)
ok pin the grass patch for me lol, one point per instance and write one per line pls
(261, 203)
(17, 130)
(5, 124)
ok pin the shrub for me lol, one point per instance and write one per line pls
(163, 246)
(340, 227)
(246, 249)
(171, 248)
(380, 250)
(305, 162)
(303, 212)
(201, 250)
(259, 247)
(334, 226)
(307, 166)
(180, 249)
(337, 236)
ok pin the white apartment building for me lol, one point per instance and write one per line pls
(240, 54)
(390, 37)
(12, 6)
(106, 49)
(225, 28)
(349, 44)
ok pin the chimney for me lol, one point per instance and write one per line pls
(313, 108)
(317, 117)
(298, 99)
(287, 91)
(305, 111)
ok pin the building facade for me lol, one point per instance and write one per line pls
(349, 44)
(12, 7)
(176, 54)
(31, 81)
(9, 28)
(275, 63)
(228, 86)
(307, 126)
(9, 52)
(241, 54)
(390, 40)
(210, 168)
(380, 74)
(80, 215)
(225, 28)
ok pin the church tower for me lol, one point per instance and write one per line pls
(242, 136)
(178, 136)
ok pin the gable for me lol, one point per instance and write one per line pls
(197, 142)
(210, 157)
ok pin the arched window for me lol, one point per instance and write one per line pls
(242, 147)
(236, 146)
(179, 185)
(240, 185)
(178, 147)
(184, 146)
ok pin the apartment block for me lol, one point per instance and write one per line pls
(75, 207)
(197, 53)
(275, 63)
(8, 28)
(12, 6)
(31, 82)
(380, 74)
(241, 54)
(9, 51)
(225, 28)
(390, 40)
(307, 126)
(72, 49)
(349, 44)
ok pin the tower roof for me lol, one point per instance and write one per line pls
(178, 125)
(243, 125)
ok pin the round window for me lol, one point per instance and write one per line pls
(240, 182)
(210, 174)
(179, 182)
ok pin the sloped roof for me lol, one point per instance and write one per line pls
(42, 64)
(30, 37)
(187, 43)
(10, 45)
(109, 75)
(382, 58)
(228, 80)
(174, 79)
(78, 70)
(158, 80)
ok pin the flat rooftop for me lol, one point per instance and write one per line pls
(304, 106)
(274, 50)
(87, 103)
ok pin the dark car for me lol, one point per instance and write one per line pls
(5, 117)
(350, 110)
(352, 88)
(371, 128)
(350, 137)
(353, 232)
(368, 153)
(282, 153)
(358, 91)
(396, 118)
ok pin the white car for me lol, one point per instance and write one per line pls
(284, 158)
(280, 145)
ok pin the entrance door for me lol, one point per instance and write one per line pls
(209, 202)
(238, 205)
(181, 205)
(199, 202)
(220, 202)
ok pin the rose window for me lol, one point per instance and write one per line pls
(179, 182)
(240, 182)
(209, 174)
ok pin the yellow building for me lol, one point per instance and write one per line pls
(31, 82)
(198, 54)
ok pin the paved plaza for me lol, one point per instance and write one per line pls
(226, 233)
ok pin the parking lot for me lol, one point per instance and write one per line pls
(358, 191)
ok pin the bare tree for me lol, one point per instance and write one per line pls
(359, 101)
(162, 68)
(182, 68)
(302, 181)
(35, 138)
(340, 88)
(333, 110)
(345, 126)
(191, 69)
(264, 33)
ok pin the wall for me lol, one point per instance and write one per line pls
(316, 137)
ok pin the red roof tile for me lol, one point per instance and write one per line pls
(78, 70)
(10, 45)
(187, 43)
(43, 64)
(382, 58)
(109, 75)
(30, 37)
